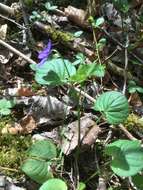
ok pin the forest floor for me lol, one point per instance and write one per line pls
(71, 95)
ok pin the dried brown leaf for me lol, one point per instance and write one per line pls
(3, 31)
(26, 126)
(78, 16)
(88, 133)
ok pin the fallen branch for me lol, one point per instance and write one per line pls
(26, 21)
(126, 132)
(11, 48)
(4, 9)
(85, 94)
(13, 21)
(120, 72)
(65, 38)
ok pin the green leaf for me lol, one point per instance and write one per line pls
(114, 106)
(81, 74)
(99, 22)
(122, 5)
(78, 34)
(98, 70)
(138, 181)
(43, 149)
(5, 111)
(5, 106)
(80, 59)
(127, 157)
(101, 44)
(132, 87)
(50, 7)
(37, 166)
(53, 79)
(81, 186)
(4, 103)
(54, 184)
(35, 16)
(88, 70)
(33, 66)
(40, 78)
(96, 23)
(54, 72)
(37, 170)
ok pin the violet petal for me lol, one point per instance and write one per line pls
(45, 53)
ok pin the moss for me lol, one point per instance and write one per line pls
(134, 122)
(12, 154)
(58, 35)
(5, 120)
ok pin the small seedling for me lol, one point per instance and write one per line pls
(5, 106)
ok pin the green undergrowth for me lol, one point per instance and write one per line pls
(12, 153)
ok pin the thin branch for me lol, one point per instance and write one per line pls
(120, 71)
(13, 21)
(11, 48)
(126, 132)
(85, 94)
(121, 45)
(126, 66)
(25, 18)
(6, 9)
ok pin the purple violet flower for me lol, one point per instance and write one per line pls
(44, 54)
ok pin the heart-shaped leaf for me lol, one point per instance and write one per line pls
(54, 184)
(37, 166)
(37, 170)
(43, 149)
(127, 157)
(114, 106)
(54, 72)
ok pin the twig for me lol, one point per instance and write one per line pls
(121, 45)
(59, 12)
(8, 169)
(13, 21)
(111, 55)
(11, 48)
(137, 58)
(113, 39)
(127, 133)
(109, 135)
(120, 71)
(126, 66)
(31, 39)
(85, 94)
(6, 9)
